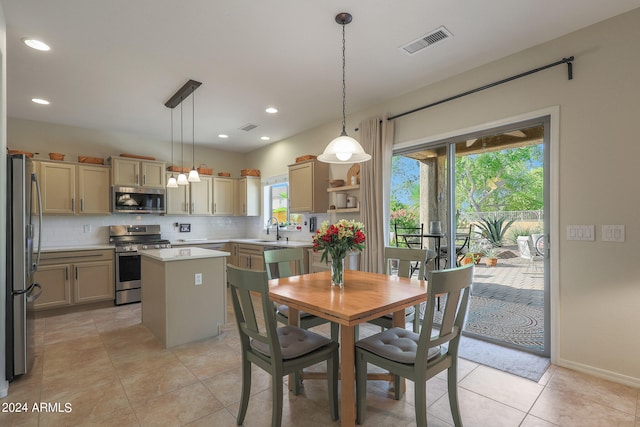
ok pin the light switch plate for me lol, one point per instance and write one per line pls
(581, 232)
(613, 233)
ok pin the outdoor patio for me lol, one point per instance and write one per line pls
(507, 302)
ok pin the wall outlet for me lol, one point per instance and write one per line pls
(87, 228)
(613, 233)
(581, 232)
(185, 228)
(198, 278)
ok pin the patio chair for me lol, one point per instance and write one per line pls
(419, 357)
(528, 252)
(409, 237)
(461, 242)
(279, 351)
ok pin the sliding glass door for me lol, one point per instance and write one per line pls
(488, 190)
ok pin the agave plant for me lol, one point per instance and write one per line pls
(494, 230)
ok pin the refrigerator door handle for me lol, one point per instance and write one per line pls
(35, 296)
(34, 178)
(26, 291)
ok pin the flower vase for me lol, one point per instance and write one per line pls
(337, 272)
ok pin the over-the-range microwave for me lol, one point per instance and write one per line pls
(138, 200)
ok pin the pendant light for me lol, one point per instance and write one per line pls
(171, 182)
(183, 93)
(344, 149)
(182, 178)
(193, 173)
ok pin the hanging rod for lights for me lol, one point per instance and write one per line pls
(568, 61)
(183, 93)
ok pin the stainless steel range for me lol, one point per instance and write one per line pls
(128, 239)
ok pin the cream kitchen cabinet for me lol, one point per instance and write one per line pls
(68, 188)
(247, 196)
(75, 277)
(232, 248)
(192, 199)
(250, 256)
(308, 182)
(133, 172)
(223, 196)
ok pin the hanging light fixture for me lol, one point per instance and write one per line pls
(171, 182)
(182, 178)
(193, 173)
(344, 149)
(183, 93)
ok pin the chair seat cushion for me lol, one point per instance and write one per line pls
(284, 310)
(407, 312)
(397, 344)
(294, 342)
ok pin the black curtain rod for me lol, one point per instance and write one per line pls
(567, 61)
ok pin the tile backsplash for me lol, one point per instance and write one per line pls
(61, 231)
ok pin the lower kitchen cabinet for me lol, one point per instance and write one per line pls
(250, 256)
(75, 277)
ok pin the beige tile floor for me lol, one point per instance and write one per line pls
(113, 372)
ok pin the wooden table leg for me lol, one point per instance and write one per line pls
(399, 321)
(348, 378)
(294, 320)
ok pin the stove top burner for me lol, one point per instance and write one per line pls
(131, 238)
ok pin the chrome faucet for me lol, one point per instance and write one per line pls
(271, 222)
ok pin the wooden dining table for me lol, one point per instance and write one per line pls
(365, 296)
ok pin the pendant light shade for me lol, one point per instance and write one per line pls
(344, 149)
(183, 93)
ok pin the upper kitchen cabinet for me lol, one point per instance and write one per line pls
(223, 196)
(201, 195)
(308, 181)
(248, 196)
(135, 172)
(73, 189)
(192, 199)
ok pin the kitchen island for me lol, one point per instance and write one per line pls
(183, 293)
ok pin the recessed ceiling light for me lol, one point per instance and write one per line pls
(222, 135)
(271, 110)
(40, 101)
(265, 138)
(36, 44)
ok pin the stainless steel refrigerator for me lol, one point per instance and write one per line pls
(23, 190)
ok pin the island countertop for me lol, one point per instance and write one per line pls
(182, 253)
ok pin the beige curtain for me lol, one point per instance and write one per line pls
(375, 176)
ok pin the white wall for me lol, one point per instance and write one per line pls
(597, 290)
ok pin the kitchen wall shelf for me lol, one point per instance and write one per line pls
(343, 210)
(343, 188)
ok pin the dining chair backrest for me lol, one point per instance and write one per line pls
(406, 260)
(258, 323)
(409, 237)
(455, 285)
(278, 262)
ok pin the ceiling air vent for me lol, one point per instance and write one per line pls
(427, 40)
(248, 127)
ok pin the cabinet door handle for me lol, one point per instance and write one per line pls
(81, 205)
(144, 179)
(244, 208)
(76, 273)
(66, 274)
(137, 178)
(214, 208)
(73, 204)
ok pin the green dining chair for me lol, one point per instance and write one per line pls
(419, 357)
(278, 263)
(403, 262)
(279, 351)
